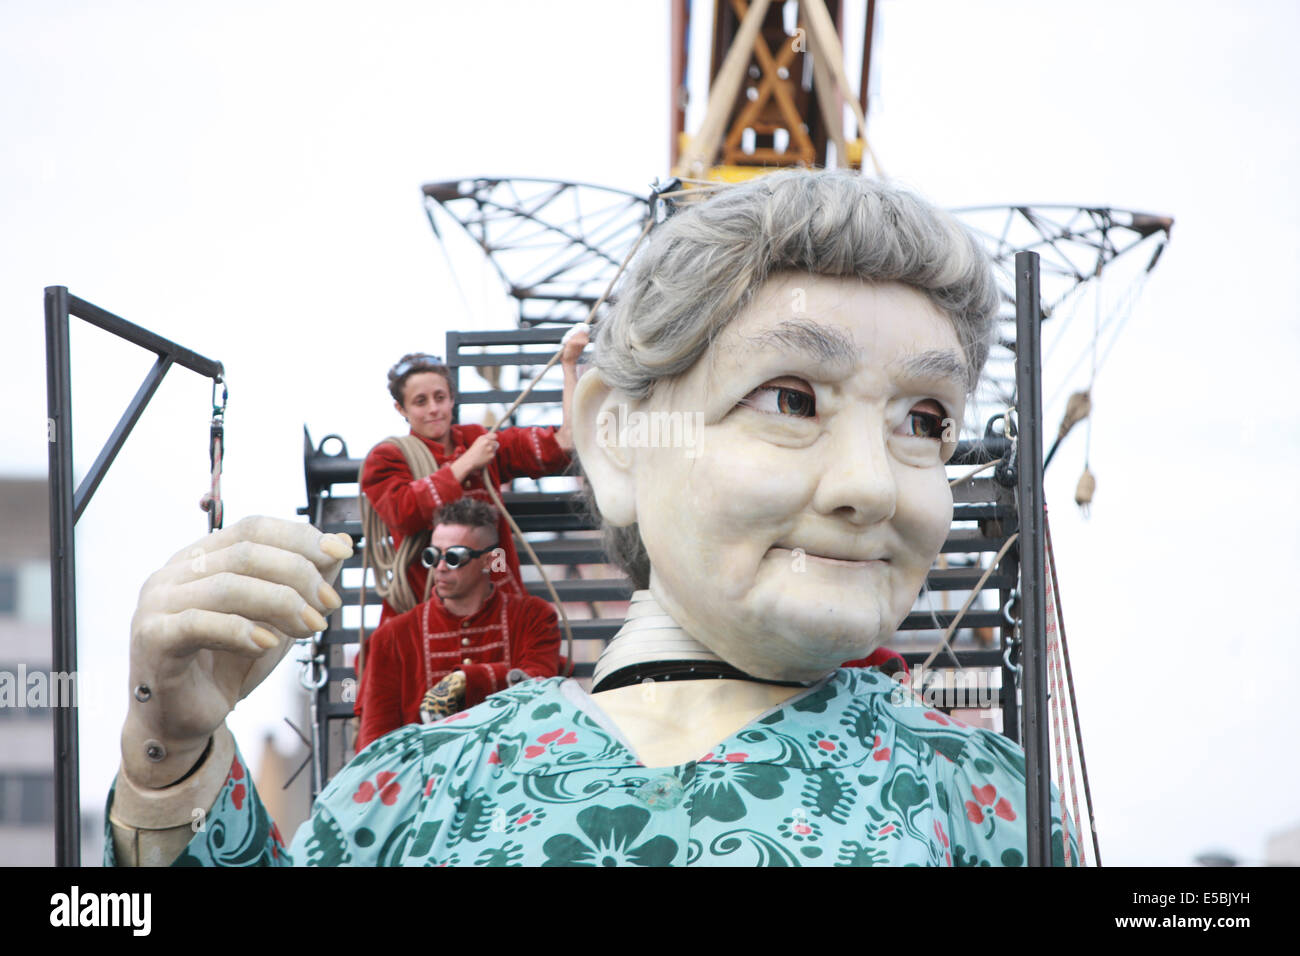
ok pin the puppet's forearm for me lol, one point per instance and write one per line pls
(152, 826)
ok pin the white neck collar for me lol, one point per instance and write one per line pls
(649, 634)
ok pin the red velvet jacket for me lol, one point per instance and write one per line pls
(410, 653)
(407, 506)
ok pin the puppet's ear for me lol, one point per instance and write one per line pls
(599, 416)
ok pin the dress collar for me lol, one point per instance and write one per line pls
(831, 725)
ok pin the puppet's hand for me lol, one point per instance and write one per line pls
(210, 625)
(444, 699)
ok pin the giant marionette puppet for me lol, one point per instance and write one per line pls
(821, 327)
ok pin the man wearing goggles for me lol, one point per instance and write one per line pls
(470, 639)
(454, 556)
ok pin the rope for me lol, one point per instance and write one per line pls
(590, 321)
(1054, 686)
(970, 599)
(1074, 709)
(971, 474)
(555, 598)
(1118, 318)
(496, 498)
(391, 582)
(211, 502)
(361, 604)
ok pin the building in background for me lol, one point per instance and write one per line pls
(28, 691)
(26, 733)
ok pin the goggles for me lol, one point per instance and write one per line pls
(401, 368)
(456, 556)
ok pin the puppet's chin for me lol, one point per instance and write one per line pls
(794, 627)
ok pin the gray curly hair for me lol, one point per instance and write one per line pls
(702, 266)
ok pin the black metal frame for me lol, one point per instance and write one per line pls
(1033, 619)
(67, 506)
(554, 244)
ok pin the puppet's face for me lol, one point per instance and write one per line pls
(797, 532)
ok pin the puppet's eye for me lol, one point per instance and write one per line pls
(925, 421)
(797, 401)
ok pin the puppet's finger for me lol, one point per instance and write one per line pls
(323, 550)
(263, 562)
(251, 598)
(193, 629)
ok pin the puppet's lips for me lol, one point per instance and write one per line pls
(836, 559)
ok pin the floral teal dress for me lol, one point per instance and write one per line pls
(855, 771)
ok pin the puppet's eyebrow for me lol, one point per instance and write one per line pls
(821, 343)
(937, 364)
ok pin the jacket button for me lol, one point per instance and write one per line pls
(464, 640)
(661, 794)
(467, 661)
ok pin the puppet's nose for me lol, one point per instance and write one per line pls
(857, 482)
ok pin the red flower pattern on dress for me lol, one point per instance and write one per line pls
(385, 785)
(943, 720)
(237, 796)
(938, 831)
(988, 798)
(737, 757)
(556, 737)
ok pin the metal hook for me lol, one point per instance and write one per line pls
(219, 411)
(314, 674)
(1006, 608)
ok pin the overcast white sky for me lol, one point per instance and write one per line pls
(244, 179)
